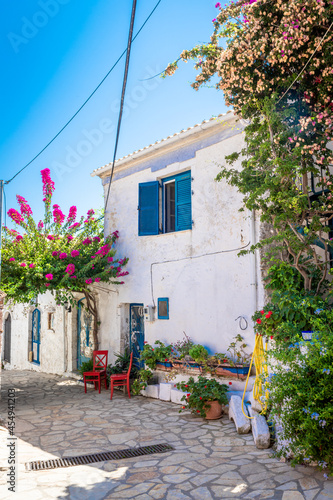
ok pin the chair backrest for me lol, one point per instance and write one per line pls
(100, 360)
(130, 366)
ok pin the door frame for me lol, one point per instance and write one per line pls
(37, 341)
(140, 364)
(7, 338)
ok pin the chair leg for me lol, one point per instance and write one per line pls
(85, 384)
(111, 389)
(99, 384)
(128, 389)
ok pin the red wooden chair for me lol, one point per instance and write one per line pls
(100, 359)
(122, 379)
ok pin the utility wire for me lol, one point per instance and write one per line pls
(128, 53)
(87, 100)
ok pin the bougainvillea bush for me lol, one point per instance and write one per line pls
(61, 254)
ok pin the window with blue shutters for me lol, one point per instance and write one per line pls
(175, 194)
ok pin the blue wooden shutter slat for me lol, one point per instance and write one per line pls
(183, 202)
(148, 208)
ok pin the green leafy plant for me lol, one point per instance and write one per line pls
(86, 366)
(200, 393)
(199, 353)
(237, 354)
(181, 348)
(151, 355)
(141, 381)
(121, 365)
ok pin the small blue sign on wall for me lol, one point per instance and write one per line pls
(163, 308)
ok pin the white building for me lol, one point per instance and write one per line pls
(182, 232)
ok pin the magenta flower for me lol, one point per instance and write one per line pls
(97, 280)
(49, 276)
(40, 225)
(47, 284)
(63, 255)
(23, 264)
(58, 216)
(11, 259)
(87, 241)
(89, 281)
(25, 208)
(218, 5)
(19, 237)
(214, 20)
(72, 214)
(74, 225)
(75, 253)
(90, 212)
(48, 186)
(110, 259)
(69, 237)
(32, 265)
(74, 277)
(105, 249)
(54, 254)
(97, 238)
(50, 237)
(15, 216)
(70, 269)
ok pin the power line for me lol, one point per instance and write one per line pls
(87, 100)
(128, 50)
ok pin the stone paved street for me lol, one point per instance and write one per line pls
(55, 418)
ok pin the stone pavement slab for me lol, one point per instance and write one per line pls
(55, 418)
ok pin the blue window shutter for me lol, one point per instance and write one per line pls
(148, 208)
(183, 201)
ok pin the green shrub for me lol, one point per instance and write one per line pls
(87, 366)
(200, 393)
(199, 353)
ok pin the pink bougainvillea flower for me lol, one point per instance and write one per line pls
(48, 186)
(15, 216)
(70, 237)
(74, 277)
(96, 238)
(97, 280)
(72, 214)
(88, 281)
(63, 255)
(110, 259)
(58, 216)
(49, 276)
(11, 259)
(50, 237)
(90, 212)
(218, 5)
(47, 284)
(19, 237)
(70, 269)
(75, 253)
(40, 224)
(87, 241)
(25, 208)
(74, 225)
(32, 265)
(23, 264)
(93, 256)
(54, 254)
(105, 249)
(214, 20)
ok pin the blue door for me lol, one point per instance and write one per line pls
(35, 337)
(137, 334)
(84, 333)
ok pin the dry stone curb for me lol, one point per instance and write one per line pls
(242, 423)
(176, 396)
(151, 391)
(165, 392)
(260, 430)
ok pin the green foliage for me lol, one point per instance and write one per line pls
(86, 366)
(301, 396)
(160, 352)
(200, 393)
(121, 365)
(237, 354)
(141, 381)
(199, 353)
(182, 347)
(59, 255)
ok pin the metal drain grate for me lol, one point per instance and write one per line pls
(97, 457)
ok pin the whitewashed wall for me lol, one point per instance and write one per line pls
(210, 286)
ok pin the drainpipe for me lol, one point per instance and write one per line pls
(254, 263)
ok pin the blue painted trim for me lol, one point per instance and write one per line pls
(148, 208)
(37, 341)
(137, 363)
(163, 299)
(178, 177)
(80, 358)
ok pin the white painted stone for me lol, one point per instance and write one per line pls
(151, 391)
(242, 423)
(260, 430)
(177, 395)
(239, 394)
(255, 405)
(165, 392)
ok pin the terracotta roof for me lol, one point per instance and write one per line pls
(99, 170)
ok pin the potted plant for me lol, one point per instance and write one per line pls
(181, 351)
(204, 397)
(237, 363)
(157, 356)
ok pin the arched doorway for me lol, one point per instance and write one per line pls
(8, 333)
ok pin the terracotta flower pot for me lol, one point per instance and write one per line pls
(213, 410)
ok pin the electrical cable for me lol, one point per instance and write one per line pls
(128, 53)
(86, 101)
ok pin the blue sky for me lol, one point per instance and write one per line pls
(55, 52)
